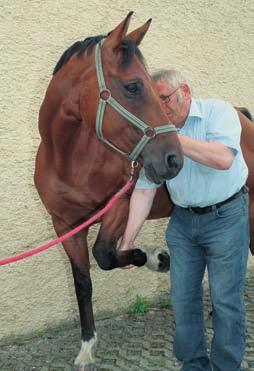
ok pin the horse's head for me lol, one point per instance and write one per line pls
(117, 94)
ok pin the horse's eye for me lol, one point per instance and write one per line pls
(133, 88)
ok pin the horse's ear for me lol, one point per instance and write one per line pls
(138, 34)
(116, 36)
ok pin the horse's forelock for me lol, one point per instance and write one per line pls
(130, 49)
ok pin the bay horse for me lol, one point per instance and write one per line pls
(99, 115)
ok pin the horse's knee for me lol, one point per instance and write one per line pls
(105, 256)
(83, 284)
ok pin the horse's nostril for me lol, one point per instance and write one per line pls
(172, 161)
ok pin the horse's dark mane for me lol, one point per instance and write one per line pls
(78, 46)
(128, 47)
(246, 112)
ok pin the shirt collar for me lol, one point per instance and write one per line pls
(194, 110)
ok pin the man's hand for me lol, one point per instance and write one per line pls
(122, 247)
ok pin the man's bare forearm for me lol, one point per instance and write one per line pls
(140, 206)
(213, 154)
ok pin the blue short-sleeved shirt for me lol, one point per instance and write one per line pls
(197, 184)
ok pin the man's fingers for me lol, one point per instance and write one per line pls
(129, 266)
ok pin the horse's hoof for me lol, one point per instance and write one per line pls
(164, 261)
(85, 359)
(88, 367)
(158, 260)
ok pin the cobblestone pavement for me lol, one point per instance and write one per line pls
(138, 342)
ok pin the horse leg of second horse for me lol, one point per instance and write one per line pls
(77, 251)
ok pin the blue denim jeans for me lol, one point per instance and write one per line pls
(217, 240)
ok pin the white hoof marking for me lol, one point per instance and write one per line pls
(157, 258)
(86, 354)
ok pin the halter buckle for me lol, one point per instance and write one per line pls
(134, 165)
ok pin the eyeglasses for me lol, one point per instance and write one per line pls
(167, 98)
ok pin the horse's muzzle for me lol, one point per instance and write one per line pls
(164, 170)
(175, 163)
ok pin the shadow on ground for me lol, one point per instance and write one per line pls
(137, 342)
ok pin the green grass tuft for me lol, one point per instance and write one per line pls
(141, 305)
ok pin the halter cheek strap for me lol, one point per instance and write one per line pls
(106, 98)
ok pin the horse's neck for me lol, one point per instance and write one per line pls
(82, 160)
(247, 136)
(247, 140)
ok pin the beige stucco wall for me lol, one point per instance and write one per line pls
(211, 41)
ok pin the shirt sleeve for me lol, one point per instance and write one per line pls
(224, 125)
(144, 183)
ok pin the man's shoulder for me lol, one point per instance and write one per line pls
(212, 102)
(212, 105)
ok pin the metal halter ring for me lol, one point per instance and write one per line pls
(106, 92)
(150, 132)
(134, 164)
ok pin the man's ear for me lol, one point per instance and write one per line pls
(185, 91)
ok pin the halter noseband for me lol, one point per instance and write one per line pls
(106, 98)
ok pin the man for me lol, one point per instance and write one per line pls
(208, 227)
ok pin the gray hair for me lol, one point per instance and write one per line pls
(172, 77)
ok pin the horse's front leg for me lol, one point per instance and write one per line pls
(76, 249)
(112, 228)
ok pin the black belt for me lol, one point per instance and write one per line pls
(208, 209)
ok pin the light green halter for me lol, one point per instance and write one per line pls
(149, 132)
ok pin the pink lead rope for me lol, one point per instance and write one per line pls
(71, 233)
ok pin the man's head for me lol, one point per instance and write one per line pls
(175, 94)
